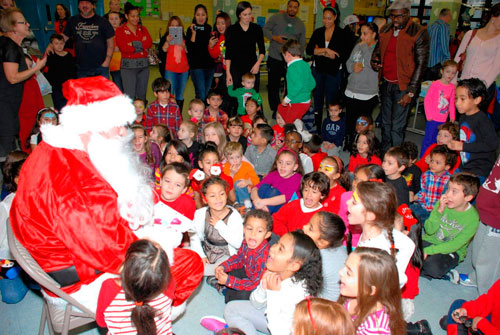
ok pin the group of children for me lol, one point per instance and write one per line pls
(275, 214)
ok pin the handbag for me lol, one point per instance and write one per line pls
(153, 58)
(45, 87)
(463, 55)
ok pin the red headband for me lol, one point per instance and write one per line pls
(408, 218)
(339, 163)
(288, 150)
(310, 314)
(378, 180)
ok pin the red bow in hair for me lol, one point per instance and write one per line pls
(378, 180)
(408, 218)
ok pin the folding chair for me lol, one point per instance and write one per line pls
(59, 320)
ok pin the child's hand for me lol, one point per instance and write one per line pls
(272, 280)
(205, 260)
(234, 169)
(243, 183)
(218, 271)
(259, 203)
(457, 313)
(475, 321)
(442, 203)
(283, 103)
(456, 145)
(213, 220)
(222, 278)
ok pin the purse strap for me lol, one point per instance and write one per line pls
(474, 31)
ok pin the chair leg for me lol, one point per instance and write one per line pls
(43, 320)
(67, 317)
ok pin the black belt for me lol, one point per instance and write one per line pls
(68, 276)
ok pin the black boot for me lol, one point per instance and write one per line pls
(180, 103)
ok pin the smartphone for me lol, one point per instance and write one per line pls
(215, 34)
(176, 33)
(284, 38)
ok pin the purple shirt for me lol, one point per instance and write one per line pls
(155, 150)
(287, 186)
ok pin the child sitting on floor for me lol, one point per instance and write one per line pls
(364, 151)
(395, 162)
(333, 168)
(450, 227)
(260, 153)
(242, 273)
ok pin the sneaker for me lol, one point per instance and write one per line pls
(465, 280)
(454, 276)
(443, 322)
(213, 323)
(221, 289)
(212, 281)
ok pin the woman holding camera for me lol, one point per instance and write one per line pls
(201, 64)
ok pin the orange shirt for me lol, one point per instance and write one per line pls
(246, 171)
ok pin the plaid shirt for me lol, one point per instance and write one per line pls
(431, 188)
(221, 117)
(254, 262)
(169, 115)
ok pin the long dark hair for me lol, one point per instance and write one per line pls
(198, 6)
(306, 252)
(67, 13)
(145, 274)
(181, 149)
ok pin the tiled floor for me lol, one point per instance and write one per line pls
(434, 299)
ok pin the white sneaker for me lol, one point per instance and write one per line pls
(454, 276)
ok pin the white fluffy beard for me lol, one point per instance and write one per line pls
(121, 167)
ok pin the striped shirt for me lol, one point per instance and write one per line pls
(114, 311)
(375, 323)
(439, 34)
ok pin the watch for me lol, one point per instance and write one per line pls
(410, 94)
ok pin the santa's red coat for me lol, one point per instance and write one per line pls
(66, 214)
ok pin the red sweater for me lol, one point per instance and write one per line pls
(332, 201)
(292, 216)
(124, 36)
(486, 304)
(422, 165)
(357, 160)
(411, 290)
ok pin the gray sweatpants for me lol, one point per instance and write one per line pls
(242, 315)
(485, 260)
(135, 82)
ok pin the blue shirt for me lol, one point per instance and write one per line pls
(333, 131)
(439, 34)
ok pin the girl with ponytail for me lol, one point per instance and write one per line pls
(373, 206)
(126, 303)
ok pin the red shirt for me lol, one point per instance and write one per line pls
(124, 36)
(196, 185)
(332, 201)
(292, 216)
(317, 158)
(390, 66)
(357, 160)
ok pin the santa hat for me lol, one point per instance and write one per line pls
(95, 104)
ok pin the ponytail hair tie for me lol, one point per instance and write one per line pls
(139, 303)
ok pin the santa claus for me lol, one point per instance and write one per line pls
(83, 191)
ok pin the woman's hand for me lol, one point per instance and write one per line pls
(331, 53)
(212, 42)
(40, 64)
(256, 68)
(229, 79)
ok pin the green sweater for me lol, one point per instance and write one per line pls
(299, 82)
(451, 231)
(242, 94)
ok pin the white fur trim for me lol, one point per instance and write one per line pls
(59, 137)
(98, 116)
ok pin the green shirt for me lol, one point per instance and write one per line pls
(450, 231)
(242, 94)
(299, 82)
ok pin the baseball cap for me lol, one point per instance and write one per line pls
(350, 19)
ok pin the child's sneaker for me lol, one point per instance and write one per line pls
(454, 276)
(465, 280)
(213, 323)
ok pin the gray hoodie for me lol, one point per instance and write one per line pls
(366, 81)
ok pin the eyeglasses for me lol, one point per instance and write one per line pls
(362, 122)
(400, 16)
(22, 22)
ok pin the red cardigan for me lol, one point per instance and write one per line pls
(124, 36)
(486, 304)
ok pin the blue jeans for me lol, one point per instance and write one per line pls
(430, 137)
(266, 191)
(394, 116)
(242, 193)
(327, 85)
(420, 212)
(178, 81)
(98, 71)
(117, 79)
(202, 81)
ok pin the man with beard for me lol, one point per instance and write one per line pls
(94, 40)
(83, 192)
(401, 57)
(278, 29)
